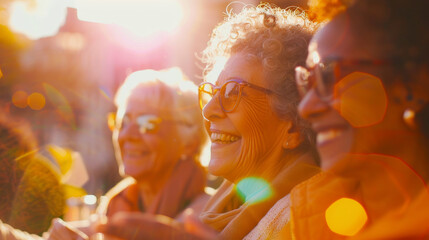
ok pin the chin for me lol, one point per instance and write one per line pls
(328, 160)
(213, 169)
(217, 168)
(133, 172)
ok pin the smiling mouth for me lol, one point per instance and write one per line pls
(223, 138)
(136, 153)
(328, 135)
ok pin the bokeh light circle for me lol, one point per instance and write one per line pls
(346, 216)
(36, 101)
(19, 99)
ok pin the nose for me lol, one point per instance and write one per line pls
(129, 132)
(311, 106)
(212, 110)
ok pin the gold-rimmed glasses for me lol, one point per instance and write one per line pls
(147, 123)
(229, 93)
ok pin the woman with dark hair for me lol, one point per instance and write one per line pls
(365, 92)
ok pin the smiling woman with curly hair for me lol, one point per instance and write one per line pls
(260, 145)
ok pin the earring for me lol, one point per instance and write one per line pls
(409, 118)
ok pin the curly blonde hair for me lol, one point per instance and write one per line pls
(276, 37)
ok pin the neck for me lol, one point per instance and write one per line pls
(408, 146)
(416, 153)
(151, 187)
(273, 166)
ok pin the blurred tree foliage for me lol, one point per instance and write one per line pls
(10, 47)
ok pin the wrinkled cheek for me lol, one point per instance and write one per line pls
(253, 144)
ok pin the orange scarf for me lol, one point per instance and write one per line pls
(185, 184)
(226, 213)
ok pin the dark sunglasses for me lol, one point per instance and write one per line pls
(148, 123)
(230, 93)
(324, 75)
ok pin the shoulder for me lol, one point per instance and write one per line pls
(270, 226)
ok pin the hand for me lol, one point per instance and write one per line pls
(61, 230)
(126, 225)
(193, 225)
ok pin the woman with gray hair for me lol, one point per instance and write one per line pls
(259, 144)
(158, 136)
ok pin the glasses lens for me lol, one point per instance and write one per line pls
(302, 76)
(230, 94)
(148, 123)
(325, 80)
(205, 94)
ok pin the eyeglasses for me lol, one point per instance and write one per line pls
(230, 93)
(321, 77)
(324, 75)
(148, 123)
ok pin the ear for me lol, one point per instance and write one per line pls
(292, 141)
(292, 138)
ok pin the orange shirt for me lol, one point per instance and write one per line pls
(185, 185)
(381, 188)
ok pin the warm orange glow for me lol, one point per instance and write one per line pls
(346, 217)
(1, 73)
(362, 99)
(143, 18)
(36, 101)
(19, 99)
(218, 67)
(38, 18)
(70, 41)
(60, 102)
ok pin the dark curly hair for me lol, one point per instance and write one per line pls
(276, 37)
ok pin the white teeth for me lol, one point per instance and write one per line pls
(327, 135)
(223, 138)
